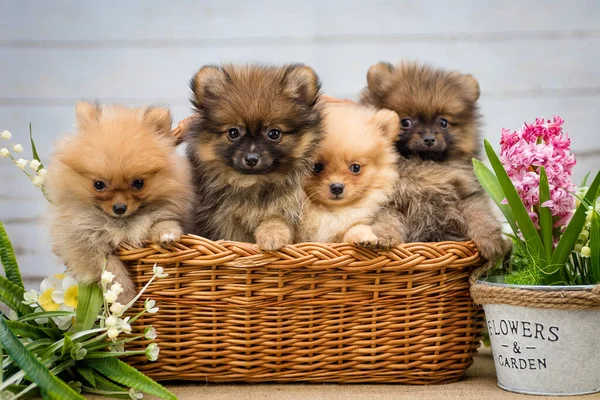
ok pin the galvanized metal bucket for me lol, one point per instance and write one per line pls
(545, 351)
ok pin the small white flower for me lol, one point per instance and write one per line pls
(18, 148)
(117, 309)
(107, 277)
(586, 251)
(110, 297)
(117, 288)
(42, 172)
(152, 352)
(4, 152)
(30, 297)
(64, 322)
(150, 333)
(111, 322)
(66, 283)
(112, 333)
(123, 324)
(37, 181)
(112, 294)
(149, 306)
(6, 135)
(159, 271)
(21, 163)
(117, 348)
(40, 321)
(135, 395)
(34, 165)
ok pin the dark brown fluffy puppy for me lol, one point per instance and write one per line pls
(251, 148)
(438, 196)
(438, 112)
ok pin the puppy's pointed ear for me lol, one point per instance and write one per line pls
(472, 87)
(159, 119)
(86, 113)
(379, 76)
(389, 122)
(209, 77)
(302, 83)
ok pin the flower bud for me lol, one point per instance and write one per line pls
(152, 352)
(111, 296)
(6, 135)
(21, 163)
(135, 395)
(112, 333)
(34, 164)
(117, 309)
(111, 321)
(37, 181)
(18, 148)
(150, 333)
(586, 251)
(107, 277)
(4, 152)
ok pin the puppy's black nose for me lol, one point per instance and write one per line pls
(251, 159)
(119, 209)
(429, 140)
(336, 188)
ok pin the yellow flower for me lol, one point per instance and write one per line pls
(66, 291)
(72, 296)
(45, 301)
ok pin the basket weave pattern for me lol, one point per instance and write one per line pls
(310, 312)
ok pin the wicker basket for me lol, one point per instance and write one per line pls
(310, 312)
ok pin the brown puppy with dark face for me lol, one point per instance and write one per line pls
(438, 197)
(438, 110)
(251, 148)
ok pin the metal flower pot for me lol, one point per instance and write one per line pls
(545, 351)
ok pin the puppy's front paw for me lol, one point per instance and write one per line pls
(387, 241)
(494, 247)
(165, 232)
(272, 235)
(361, 235)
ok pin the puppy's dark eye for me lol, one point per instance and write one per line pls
(99, 186)
(137, 184)
(318, 167)
(233, 133)
(406, 123)
(443, 123)
(355, 168)
(274, 134)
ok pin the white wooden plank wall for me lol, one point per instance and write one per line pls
(532, 58)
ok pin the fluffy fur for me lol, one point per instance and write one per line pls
(354, 175)
(97, 201)
(438, 111)
(436, 202)
(251, 149)
(438, 196)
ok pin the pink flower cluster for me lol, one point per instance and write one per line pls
(542, 143)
